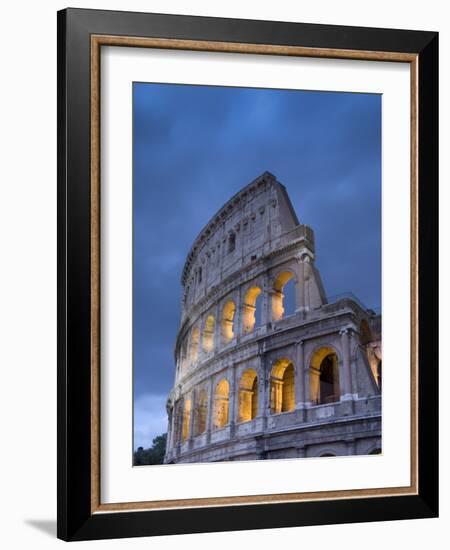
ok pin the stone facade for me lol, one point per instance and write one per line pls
(252, 381)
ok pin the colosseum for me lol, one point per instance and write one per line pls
(256, 379)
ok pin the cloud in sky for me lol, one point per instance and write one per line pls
(150, 418)
(196, 146)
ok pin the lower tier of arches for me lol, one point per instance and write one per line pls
(299, 435)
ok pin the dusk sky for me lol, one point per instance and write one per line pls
(196, 146)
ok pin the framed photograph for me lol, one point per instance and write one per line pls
(247, 253)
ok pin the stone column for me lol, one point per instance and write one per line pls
(178, 426)
(306, 381)
(266, 314)
(300, 287)
(299, 378)
(210, 413)
(192, 420)
(233, 400)
(237, 328)
(171, 436)
(262, 387)
(345, 378)
(267, 390)
(353, 364)
(217, 330)
(306, 275)
(201, 354)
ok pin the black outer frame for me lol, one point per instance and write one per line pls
(75, 521)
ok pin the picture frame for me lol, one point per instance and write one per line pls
(81, 36)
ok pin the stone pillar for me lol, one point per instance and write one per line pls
(306, 276)
(210, 413)
(237, 328)
(192, 420)
(353, 364)
(201, 354)
(262, 387)
(300, 398)
(169, 431)
(306, 381)
(299, 378)
(267, 390)
(233, 400)
(300, 287)
(266, 314)
(217, 330)
(345, 373)
(178, 426)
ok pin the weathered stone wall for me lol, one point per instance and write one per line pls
(252, 382)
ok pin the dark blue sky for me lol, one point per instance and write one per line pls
(196, 146)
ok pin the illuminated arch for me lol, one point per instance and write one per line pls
(221, 404)
(249, 309)
(186, 420)
(228, 312)
(324, 376)
(201, 412)
(248, 396)
(208, 334)
(282, 387)
(278, 305)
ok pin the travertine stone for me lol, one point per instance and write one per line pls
(236, 270)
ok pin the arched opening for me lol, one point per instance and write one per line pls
(201, 412)
(327, 454)
(282, 387)
(324, 377)
(248, 396)
(251, 310)
(228, 312)
(283, 296)
(186, 420)
(221, 404)
(195, 338)
(208, 334)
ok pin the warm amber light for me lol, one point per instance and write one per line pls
(282, 387)
(227, 321)
(201, 413)
(186, 419)
(248, 396)
(221, 404)
(249, 308)
(277, 295)
(324, 376)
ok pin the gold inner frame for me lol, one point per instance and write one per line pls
(97, 41)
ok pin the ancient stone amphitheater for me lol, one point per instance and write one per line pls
(253, 379)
